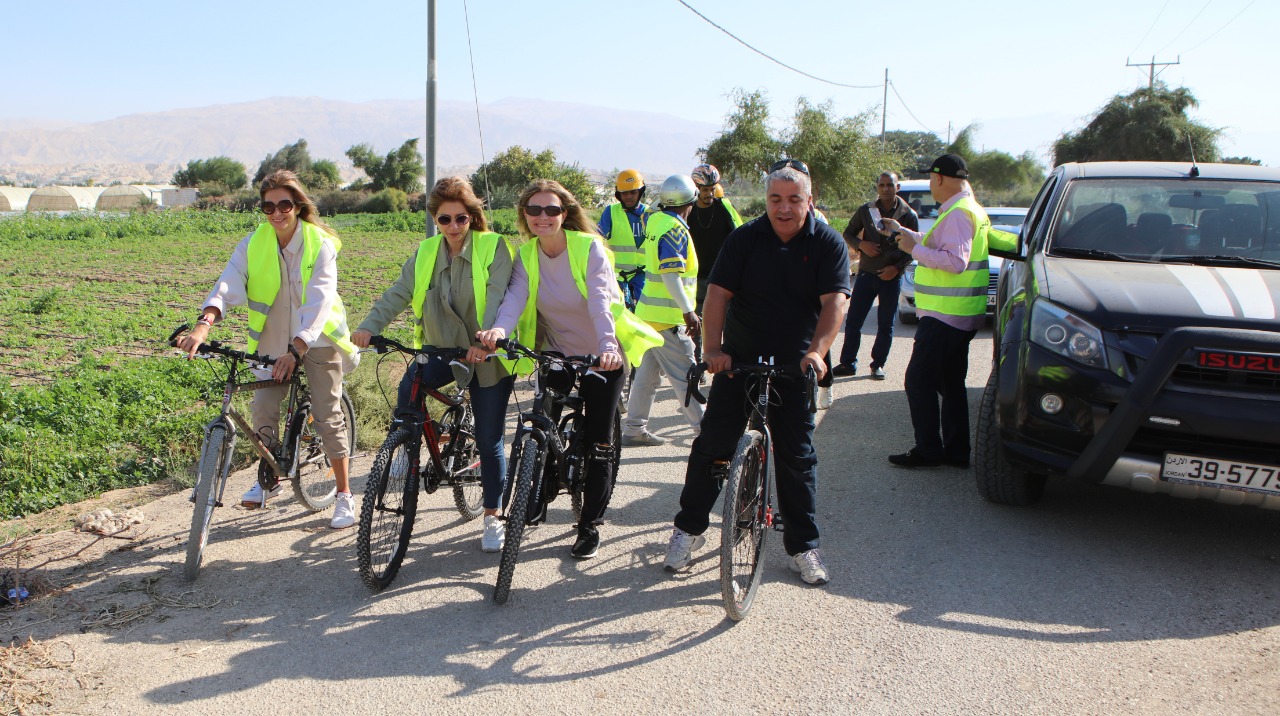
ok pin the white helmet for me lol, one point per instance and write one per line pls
(677, 190)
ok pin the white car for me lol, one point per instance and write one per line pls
(1007, 218)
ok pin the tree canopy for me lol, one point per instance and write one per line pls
(1150, 124)
(746, 147)
(919, 148)
(402, 168)
(223, 171)
(315, 175)
(994, 170)
(501, 180)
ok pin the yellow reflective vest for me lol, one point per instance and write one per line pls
(262, 282)
(656, 305)
(635, 336)
(624, 255)
(965, 293)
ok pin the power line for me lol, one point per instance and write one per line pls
(475, 91)
(894, 87)
(1215, 32)
(1188, 27)
(1149, 29)
(770, 57)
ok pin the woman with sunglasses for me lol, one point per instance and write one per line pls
(286, 272)
(564, 291)
(454, 284)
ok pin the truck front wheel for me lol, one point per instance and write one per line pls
(997, 480)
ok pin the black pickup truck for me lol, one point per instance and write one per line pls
(1137, 342)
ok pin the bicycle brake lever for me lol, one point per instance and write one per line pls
(594, 374)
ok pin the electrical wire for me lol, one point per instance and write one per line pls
(1149, 29)
(1188, 27)
(771, 58)
(904, 106)
(1215, 32)
(475, 92)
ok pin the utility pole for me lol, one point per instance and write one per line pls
(429, 151)
(884, 106)
(1151, 68)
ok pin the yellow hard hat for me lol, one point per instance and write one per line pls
(629, 180)
(719, 192)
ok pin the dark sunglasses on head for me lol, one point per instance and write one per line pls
(793, 163)
(285, 206)
(535, 210)
(445, 219)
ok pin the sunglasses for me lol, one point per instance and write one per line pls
(535, 210)
(445, 219)
(285, 206)
(793, 163)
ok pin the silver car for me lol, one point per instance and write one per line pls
(1008, 218)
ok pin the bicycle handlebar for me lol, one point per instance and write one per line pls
(217, 347)
(579, 364)
(382, 344)
(810, 375)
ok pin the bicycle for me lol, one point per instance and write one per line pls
(529, 491)
(390, 504)
(747, 512)
(298, 458)
(631, 300)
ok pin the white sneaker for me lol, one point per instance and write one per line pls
(344, 511)
(810, 567)
(495, 534)
(253, 499)
(680, 549)
(824, 397)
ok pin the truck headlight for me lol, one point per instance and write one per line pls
(1068, 335)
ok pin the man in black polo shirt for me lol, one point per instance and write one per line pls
(879, 275)
(779, 289)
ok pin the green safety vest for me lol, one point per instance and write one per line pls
(484, 246)
(635, 336)
(733, 213)
(262, 282)
(965, 293)
(656, 304)
(624, 255)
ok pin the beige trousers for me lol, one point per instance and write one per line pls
(323, 366)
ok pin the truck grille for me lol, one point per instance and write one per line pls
(1223, 378)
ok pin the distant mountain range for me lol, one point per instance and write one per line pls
(150, 147)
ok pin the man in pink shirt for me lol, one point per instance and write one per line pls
(951, 289)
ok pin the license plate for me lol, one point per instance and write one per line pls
(1226, 474)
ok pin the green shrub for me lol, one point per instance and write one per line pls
(386, 201)
(334, 202)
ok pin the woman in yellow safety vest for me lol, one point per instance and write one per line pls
(564, 291)
(286, 272)
(454, 283)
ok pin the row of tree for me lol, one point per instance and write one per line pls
(399, 169)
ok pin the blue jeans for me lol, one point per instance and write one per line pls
(489, 405)
(795, 461)
(938, 368)
(868, 287)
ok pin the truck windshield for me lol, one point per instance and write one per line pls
(1179, 219)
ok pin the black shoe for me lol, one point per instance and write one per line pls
(960, 462)
(843, 370)
(911, 458)
(587, 544)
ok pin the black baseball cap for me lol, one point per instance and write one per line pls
(949, 165)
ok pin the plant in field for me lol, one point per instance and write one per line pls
(44, 302)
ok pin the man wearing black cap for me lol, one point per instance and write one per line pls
(951, 301)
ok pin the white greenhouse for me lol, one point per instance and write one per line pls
(64, 198)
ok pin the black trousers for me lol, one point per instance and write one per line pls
(600, 400)
(794, 459)
(938, 367)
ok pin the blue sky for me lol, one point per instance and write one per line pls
(1025, 70)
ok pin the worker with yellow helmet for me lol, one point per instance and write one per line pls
(622, 225)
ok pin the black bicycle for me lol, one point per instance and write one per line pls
(531, 486)
(748, 513)
(398, 475)
(299, 458)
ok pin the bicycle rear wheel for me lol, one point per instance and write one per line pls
(743, 525)
(314, 483)
(575, 495)
(387, 512)
(468, 492)
(210, 472)
(517, 511)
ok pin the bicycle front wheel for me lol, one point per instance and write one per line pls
(743, 525)
(209, 474)
(517, 511)
(387, 512)
(314, 483)
(468, 491)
